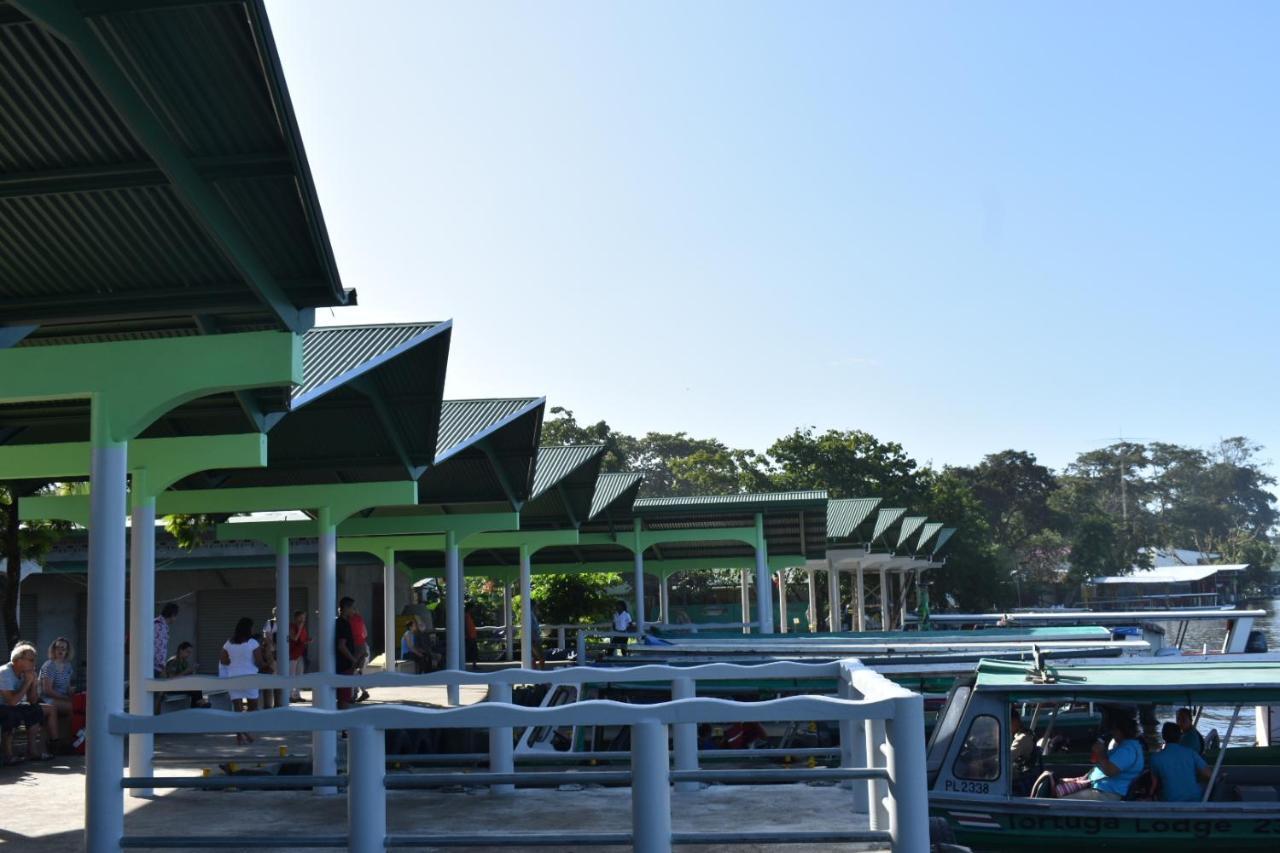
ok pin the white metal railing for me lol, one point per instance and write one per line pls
(881, 748)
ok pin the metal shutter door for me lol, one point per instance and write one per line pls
(218, 611)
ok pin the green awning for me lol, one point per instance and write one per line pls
(1170, 683)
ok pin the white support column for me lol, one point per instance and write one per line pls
(764, 592)
(455, 629)
(650, 789)
(389, 612)
(746, 604)
(684, 736)
(664, 600)
(104, 751)
(142, 606)
(366, 791)
(813, 601)
(324, 745)
(908, 784)
(834, 621)
(884, 600)
(860, 600)
(782, 601)
(639, 590)
(508, 619)
(526, 609)
(501, 745)
(284, 616)
(877, 788)
(902, 605)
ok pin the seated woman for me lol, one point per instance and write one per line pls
(1114, 769)
(20, 694)
(56, 675)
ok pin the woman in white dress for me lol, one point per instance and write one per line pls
(241, 655)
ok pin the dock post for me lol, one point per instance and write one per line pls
(650, 788)
(877, 812)
(366, 790)
(908, 786)
(685, 735)
(501, 749)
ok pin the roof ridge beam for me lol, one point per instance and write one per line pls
(63, 20)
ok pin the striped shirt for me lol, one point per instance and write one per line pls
(161, 643)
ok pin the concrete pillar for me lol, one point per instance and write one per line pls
(389, 612)
(902, 605)
(284, 616)
(366, 792)
(501, 745)
(746, 603)
(764, 597)
(508, 620)
(877, 812)
(908, 783)
(664, 600)
(650, 789)
(639, 588)
(104, 751)
(684, 736)
(324, 745)
(526, 609)
(142, 607)
(884, 599)
(813, 601)
(860, 600)
(833, 598)
(455, 633)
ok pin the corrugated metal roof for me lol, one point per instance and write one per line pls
(152, 172)
(943, 536)
(464, 422)
(926, 533)
(332, 355)
(845, 515)
(556, 462)
(910, 525)
(611, 487)
(885, 520)
(717, 502)
(1170, 574)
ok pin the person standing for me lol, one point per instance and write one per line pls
(242, 655)
(472, 635)
(360, 639)
(299, 639)
(168, 614)
(344, 653)
(621, 623)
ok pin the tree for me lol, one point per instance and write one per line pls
(975, 573)
(30, 541)
(567, 599)
(848, 464)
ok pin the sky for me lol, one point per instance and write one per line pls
(964, 227)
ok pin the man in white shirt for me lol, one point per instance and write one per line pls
(621, 622)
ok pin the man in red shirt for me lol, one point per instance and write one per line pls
(360, 637)
(299, 639)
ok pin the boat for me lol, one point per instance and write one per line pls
(972, 783)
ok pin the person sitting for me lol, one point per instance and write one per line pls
(20, 694)
(1190, 739)
(1179, 770)
(178, 666)
(415, 645)
(1022, 745)
(1113, 770)
(56, 675)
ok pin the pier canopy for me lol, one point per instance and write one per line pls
(1253, 682)
(564, 486)
(154, 178)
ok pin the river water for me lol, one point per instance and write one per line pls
(1211, 633)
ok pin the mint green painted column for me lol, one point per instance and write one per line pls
(526, 609)
(104, 751)
(284, 617)
(764, 589)
(455, 633)
(142, 605)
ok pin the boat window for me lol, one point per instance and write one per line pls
(948, 722)
(979, 757)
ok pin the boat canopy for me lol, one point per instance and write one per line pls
(1011, 635)
(1222, 682)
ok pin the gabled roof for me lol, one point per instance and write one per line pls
(563, 484)
(762, 502)
(486, 452)
(845, 515)
(885, 520)
(1171, 574)
(944, 536)
(615, 490)
(910, 525)
(926, 533)
(152, 175)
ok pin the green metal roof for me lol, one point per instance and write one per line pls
(845, 515)
(944, 535)
(1166, 684)
(615, 488)
(926, 533)
(486, 452)
(464, 422)
(762, 502)
(334, 355)
(910, 525)
(885, 520)
(563, 484)
(152, 174)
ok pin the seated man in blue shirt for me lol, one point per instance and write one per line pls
(1180, 770)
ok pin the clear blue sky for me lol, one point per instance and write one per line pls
(964, 226)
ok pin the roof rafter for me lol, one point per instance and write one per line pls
(123, 176)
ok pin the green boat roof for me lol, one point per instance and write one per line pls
(1161, 683)
(1012, 635)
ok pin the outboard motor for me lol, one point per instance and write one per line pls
(1256, 644)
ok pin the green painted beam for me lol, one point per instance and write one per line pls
(133, 383)
(62, 18)
(164, 460)
(464, 526)
(649, 538)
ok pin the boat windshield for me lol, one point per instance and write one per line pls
(945, 730)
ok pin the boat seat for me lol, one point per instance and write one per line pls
(1257, 794)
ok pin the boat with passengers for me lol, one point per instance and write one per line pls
(993, 802)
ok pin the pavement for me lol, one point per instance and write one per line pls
(42, 805)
